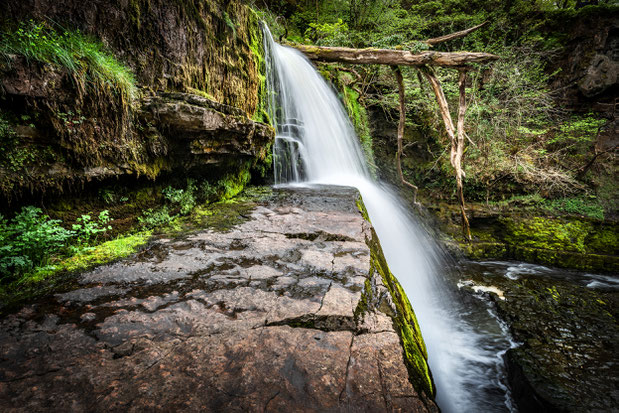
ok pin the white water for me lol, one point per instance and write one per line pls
(316, 143)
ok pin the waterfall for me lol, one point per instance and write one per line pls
(316, 143)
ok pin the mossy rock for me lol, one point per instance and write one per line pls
(404, 319)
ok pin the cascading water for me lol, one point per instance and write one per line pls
(316, 143)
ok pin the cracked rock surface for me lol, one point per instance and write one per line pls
(258, 318)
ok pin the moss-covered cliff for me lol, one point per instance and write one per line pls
(78, 80)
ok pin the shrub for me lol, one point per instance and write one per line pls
(182, 198)
(31, 239)
(86, 229)
(580, 206)
(28, 240)
(155, 217)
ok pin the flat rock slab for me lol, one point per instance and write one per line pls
(257, 318)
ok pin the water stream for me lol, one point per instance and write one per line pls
(316, 143)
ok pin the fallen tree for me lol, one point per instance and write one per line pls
(391, 57)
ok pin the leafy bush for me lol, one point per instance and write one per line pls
(28, 240)
(180, 201)
(153, 218)
(13, 155)
(31, 238)
(580, 206)
(182, 198)
(86, 230)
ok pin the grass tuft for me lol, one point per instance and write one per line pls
(81, 54)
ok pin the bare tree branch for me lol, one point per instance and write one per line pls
(452, 36)
(398, 156)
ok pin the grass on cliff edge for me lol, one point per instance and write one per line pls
(82, 55)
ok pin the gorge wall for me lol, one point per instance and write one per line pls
(62, 127)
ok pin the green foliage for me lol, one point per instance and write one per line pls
(578, 129)
(328, 33)
(206, 191)
(86, 229)
(579, 206)
(30, 239)
(109, 196)
(153, 218)
(178, 202)
(584, 206)
(184, 199)
(88, 257)
(13, 156)
(80, 54)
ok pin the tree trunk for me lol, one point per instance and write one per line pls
(398, 156)
(456, 142)
(392, 57)
(466, 229)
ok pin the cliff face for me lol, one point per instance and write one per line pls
(62, 126)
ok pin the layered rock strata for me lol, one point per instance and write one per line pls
(290, 310)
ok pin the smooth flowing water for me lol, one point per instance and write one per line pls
(316, 143)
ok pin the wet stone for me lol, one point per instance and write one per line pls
(260, 317)
(566, 332)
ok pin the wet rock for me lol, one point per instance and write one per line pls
(210, 128)
(248, 319)
(601, 74)
(567, 334)
(85, 295)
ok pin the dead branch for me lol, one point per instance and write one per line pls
(452, 36)
(456, 142)
(392, 57)
(398, 156)
(351, 71)
(596, 154)
(443, 106)
(466, 230)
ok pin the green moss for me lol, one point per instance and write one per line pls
(363, 210)
(151, 169)
(256, 45)
(44, 280)
(405, 321)
(482, 250)
(201, 93)
(223, 215)
(547, 233)
(568, 242)
(605, 239)
(232, 184)
(90, 257)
